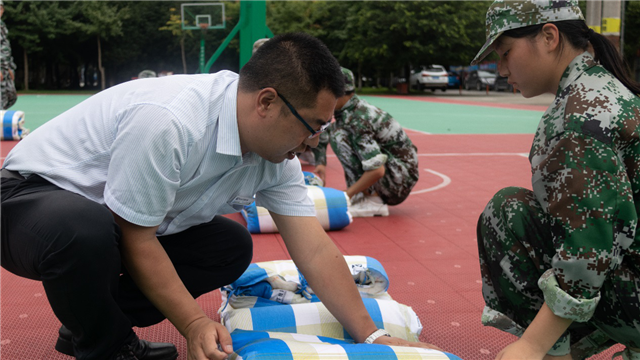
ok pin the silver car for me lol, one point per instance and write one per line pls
(480, 80)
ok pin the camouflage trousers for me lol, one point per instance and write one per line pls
(515, 249)
(7, 91)
(396, 184)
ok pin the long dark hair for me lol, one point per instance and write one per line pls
(579, 36)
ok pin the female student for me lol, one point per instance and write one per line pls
(561, 263)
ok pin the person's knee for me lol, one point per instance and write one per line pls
(242, 247)
(507, 200)
(510, 200)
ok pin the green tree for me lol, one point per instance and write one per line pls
(174, 24)
(631, 38)
(379, 37)
(102, 20)
(32, 24)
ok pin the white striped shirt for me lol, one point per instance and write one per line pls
(161, 151)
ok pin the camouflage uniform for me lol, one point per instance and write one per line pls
(571, 242)
(365, 138)
(7, 86)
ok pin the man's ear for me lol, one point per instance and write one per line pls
(265, 100)
(550, 36)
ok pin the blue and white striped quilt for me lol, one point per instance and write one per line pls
(332, 211)
(262, 345)
(260, 283)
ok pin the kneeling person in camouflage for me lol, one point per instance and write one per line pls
(380, 162)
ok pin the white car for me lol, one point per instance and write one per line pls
(430, 77)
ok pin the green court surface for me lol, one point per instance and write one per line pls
(39, 109)
(430, 117)
(445, 118)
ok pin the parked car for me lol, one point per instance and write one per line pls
(479, 80)
(430, 77)
(501, 83)
(454, 80)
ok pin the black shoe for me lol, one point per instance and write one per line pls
(133, 349)
(64, 343)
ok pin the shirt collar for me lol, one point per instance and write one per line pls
(579, 65)
(228, 141)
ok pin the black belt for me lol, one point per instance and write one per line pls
(8, 174)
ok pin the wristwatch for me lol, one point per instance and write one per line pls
(376, 334)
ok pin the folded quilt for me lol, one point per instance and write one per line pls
(12, 125)
(259, 345)
(332, 210)
(279, 282)
(314, 319)
(312, 179)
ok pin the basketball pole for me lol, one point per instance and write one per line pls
(203, 28)
(252, 25)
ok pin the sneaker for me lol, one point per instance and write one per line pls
(369, 206)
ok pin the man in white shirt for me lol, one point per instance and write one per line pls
(133, 179)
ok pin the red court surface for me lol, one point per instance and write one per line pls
(427, 246)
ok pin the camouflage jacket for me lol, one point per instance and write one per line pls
(6, 60)
(585, 160)
(374, 134)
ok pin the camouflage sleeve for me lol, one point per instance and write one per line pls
(320, 151)
(6, 60)
(367, 148)
(584, 187)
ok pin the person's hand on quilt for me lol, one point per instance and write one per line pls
(522, 349)
(320, 170)
(394, 341)
(207, 340)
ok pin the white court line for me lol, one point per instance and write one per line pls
(445, 181)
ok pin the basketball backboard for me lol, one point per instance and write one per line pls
(202, 16)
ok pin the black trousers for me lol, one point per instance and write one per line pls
(71, 244)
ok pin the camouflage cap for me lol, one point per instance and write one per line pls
(257, 44)
(349, 80)
(505, 15)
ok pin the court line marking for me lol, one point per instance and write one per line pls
(445, 182)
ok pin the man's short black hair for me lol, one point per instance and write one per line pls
(297, 65)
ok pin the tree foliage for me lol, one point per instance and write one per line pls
(631, 38)
(380, 39)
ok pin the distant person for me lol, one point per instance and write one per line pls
(7, 66)
(121, 222)
(379, 160)
(561, 264)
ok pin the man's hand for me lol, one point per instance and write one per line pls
(394, 341)
(321, 172)
(203, 336)
(155, 275)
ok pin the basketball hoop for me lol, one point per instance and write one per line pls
(204, 26)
